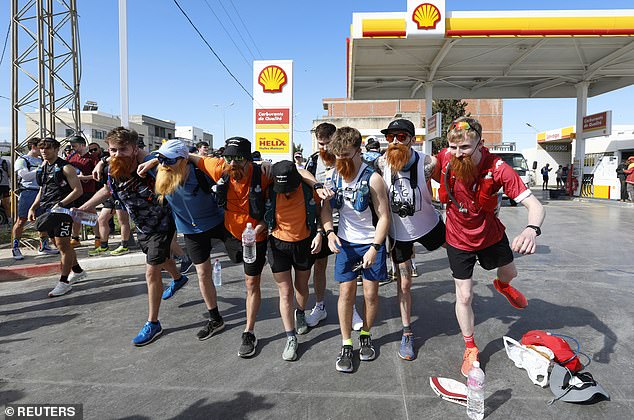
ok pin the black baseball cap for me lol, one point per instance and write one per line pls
(400, 125)
(372, 144)
(238, 146)
(286, 178)
(77, 139)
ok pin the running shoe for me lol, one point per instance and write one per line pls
(366, 351)
(119, 251)
(344, 361)
(290, 350)
(148, 333)
(44, 249)
(300, 322)
(186, 264)
(470, 356)
(102, 250)
(60, 289)
(174, 286)
(515, 297)
(357, 321)
(406, 350)
(249, 343)
(414, 271)
(75, 243)
(316, 315)
(211, 327)
(75, 277)
(17, 254)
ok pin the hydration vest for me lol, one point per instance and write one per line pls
(58, 173)
(309, 201)
(311, 163)
(361, 191)
(486, 189)
(256, 195)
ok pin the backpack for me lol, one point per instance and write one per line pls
(560, 347)
(256, 195)
(362, 196)
(204, 182)
(309, 202)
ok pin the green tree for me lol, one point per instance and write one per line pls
(450, 110)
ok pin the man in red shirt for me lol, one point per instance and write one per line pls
(470, 178)
(85, 162)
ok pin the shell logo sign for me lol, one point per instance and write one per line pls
(272, 79)
(426, 16)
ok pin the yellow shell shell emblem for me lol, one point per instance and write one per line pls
(272, 79)
(426, 16)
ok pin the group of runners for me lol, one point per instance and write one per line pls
(361, 211)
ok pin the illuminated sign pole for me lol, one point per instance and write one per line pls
(273, 109)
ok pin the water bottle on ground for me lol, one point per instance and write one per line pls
(217, 274)
(475, 392)
(83, 217)
(248, 244)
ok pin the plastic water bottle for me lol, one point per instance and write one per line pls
(217, 274)
(248, 244)
(328, 184)
(475, 392)
(83, 217)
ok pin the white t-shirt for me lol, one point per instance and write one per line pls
(425, 216)
(354, 226)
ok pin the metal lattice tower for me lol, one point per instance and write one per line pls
(45, 68)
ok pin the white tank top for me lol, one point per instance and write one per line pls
(425, 215)
(355, 227)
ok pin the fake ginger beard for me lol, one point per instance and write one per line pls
(236, 172)
(327, 157)
(346, 168)
(170, 177)
(464, 169)
(397, 156)
(122, 166)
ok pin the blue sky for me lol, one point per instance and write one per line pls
(174, 76)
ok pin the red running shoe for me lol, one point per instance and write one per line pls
(515, 297)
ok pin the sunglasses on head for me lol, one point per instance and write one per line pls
(463, 126)
(233, 158)
(168, 161)
(401, 137)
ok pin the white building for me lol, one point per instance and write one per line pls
(192, 135)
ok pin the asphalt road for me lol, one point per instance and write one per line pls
(76, 349)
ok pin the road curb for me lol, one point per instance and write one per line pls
(23, 272)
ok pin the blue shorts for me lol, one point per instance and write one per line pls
(25, 201)
(350, 254)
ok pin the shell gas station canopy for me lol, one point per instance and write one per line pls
(428, 52)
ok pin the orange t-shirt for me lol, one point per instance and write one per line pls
(290, 216)
(237, 211)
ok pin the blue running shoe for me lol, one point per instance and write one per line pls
(148, 333)
(406, 351)
(174, 286)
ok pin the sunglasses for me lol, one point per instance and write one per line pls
(401, 137)
(168, 161)
(463, 126)
(233, 158)
(93, 150)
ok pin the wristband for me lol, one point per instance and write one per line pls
(328, 232)
(537, 229)
(317, 186)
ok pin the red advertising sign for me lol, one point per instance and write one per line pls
(595, 121)
(266, 116)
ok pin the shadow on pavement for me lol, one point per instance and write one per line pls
(242, 406)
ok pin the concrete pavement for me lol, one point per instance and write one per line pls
(76, 349)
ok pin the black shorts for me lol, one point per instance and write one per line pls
(234, 250)
(283, 255)
(462, 262)
(111, 203)
(434, 239)
(56, 225)
(156, 246)
(325, 251)
(199, 245)
(82, 200)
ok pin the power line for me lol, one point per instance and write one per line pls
(6, 38)
(212, 50)
(236, 28)
(246, 28)
(228, 34)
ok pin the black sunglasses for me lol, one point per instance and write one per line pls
(168, 161)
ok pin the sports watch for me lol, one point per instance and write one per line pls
(537, 229)
(376, 246)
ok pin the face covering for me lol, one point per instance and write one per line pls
(397, 156)
(327, 157)
(236, 172)
(122, 166)
(345, 167)
(169, 178)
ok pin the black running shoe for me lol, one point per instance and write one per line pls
(366, 352)
(344, 361)
(249, 342)
(212, 327)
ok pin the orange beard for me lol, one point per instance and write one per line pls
(327, 158)
(235, 172)
(169, 178)
(397, 156)
(346, 168)
(122, 167)
(464, 169)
